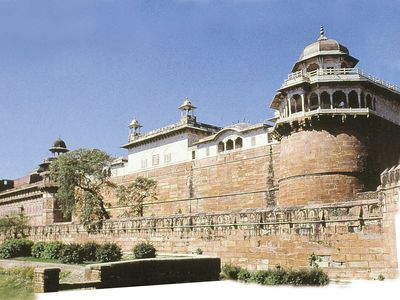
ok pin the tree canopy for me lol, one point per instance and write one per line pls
(81, 177)
(135, 194)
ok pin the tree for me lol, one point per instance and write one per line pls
(135, 194)
(80, 177)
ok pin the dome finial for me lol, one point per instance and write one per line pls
(322, 33)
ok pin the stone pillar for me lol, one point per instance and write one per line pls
(48, 208)
(46, 280)
(290, 106)
(359, 100)
(319, 100)
(302, 104)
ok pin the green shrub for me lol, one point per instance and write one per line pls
(108, 252)
(38, 249)
(231, 271)
(52, 250)
(315, 277)
(15, 247)
(244, 275)
(72, 254)
(260, 277)
(89, 250)
(144, 250)
(280, 276)
(199, 251)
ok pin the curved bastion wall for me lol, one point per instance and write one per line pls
(321, 166)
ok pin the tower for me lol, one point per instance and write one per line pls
(339, 127)
(187, 111)
(134, 127)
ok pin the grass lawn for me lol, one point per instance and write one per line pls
(16, 284)
(47, 260)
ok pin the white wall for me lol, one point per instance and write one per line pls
(260, 135)
(176, 147)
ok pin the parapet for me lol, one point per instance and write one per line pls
(390, 177)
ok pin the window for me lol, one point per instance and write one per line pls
(167, 157)
(221, 147)
(253, 140)
(155, 160)
(193, 154)
(143, 164)
(238, 143)
(229, 145)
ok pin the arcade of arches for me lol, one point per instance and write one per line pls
(327, 100)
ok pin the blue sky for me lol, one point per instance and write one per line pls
(81, 70)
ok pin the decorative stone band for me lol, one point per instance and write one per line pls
(355, 213)
(391, 177)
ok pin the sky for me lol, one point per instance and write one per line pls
(81, 70)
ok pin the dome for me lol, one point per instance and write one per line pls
(134, 124)
(187, 105)
(321, 47)
(325, 47)
(59, 144)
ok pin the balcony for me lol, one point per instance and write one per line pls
(342, 74)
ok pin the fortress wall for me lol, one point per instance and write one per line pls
(232, 181)
(32, 209)
(319, 166)
(350, 239)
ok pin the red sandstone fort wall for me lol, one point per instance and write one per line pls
(233, 181)
(319, 166)
(350, 239)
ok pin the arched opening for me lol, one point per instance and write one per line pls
(238, 143)
(339, 99)
(297, 100)
(362, 99)
(229, 145)
(221, 147)
(292, 105)
(313, 101)
(353, 99)
(325, 100)
(369, 101)
(312, 67)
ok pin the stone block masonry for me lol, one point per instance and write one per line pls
(232, 181)
(351, 239)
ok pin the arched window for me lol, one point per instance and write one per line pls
(339, 99)
(229, 145)
(325, 100)
(292, 105)
(312, 67)
(314, 101)
(238, 143)
(221, 147)
(353, 99)
(369, 101)
(362, 100)
(297, 100)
